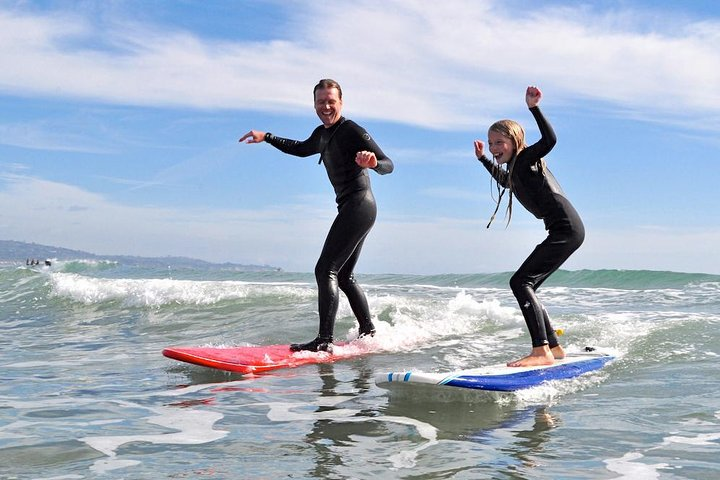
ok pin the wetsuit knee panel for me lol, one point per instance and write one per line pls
(324, 270)
(346, 281)
(520, 282)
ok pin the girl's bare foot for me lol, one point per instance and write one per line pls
(538, 356)
(558, 352)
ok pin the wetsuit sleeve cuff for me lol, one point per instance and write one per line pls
(268, 137)
(485, 160)
(384, 166)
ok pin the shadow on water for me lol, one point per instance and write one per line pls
(467, 414)
(195, 375)
(484, 432)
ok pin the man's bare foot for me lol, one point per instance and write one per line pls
(558, 352)
(538, 356)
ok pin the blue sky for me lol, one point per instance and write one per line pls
(119, 122)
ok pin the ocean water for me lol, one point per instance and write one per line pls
(85, 392)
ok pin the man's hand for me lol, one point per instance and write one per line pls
(253, 136)
(366, 159)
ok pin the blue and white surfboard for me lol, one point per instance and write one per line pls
(501, 378)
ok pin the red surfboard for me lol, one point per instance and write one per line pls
(259, 359)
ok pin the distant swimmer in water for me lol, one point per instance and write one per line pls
(347, 151)
(528, 178)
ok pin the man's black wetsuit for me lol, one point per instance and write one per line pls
(536, 188)
(357, 210)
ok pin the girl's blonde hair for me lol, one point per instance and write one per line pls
(511, 129)
(516, 133)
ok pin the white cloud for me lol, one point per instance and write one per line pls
(53, 213)
(46, 135)
(291, 236)
(398, 60)
(437, 68)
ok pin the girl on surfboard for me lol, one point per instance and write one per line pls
(347, 151)
(527, 177)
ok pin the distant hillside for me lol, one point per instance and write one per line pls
(19, 252)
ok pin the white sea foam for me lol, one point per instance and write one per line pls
(294, 412)
(421, 322)
(709, 439)
(158, 292)
(629, 467)
(193, 427)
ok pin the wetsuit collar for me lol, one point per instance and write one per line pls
(333, 129)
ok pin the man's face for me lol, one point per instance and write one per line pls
(328, 105)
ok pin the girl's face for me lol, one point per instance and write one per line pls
(501, 147)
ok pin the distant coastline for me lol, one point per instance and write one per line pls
(18, 253)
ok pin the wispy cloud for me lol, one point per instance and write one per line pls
(54, 212)
(48, 135)
(440, 78)
(455, 67)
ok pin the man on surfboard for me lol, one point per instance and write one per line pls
(528, 178)
(347, 151)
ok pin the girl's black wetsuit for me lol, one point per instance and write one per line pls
(357, 210)
(536, 188)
